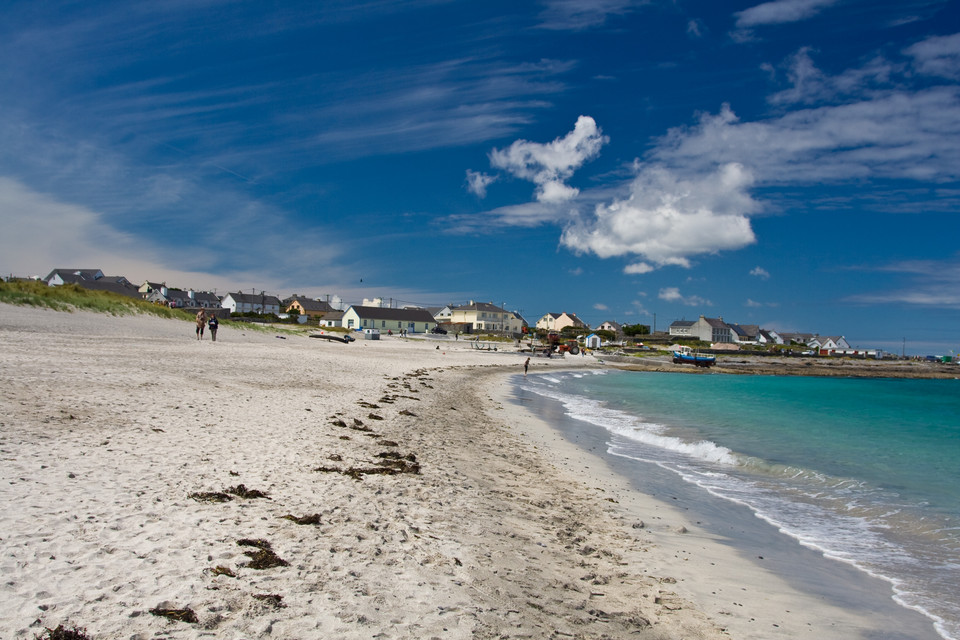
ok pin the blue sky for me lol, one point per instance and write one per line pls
(793, 163)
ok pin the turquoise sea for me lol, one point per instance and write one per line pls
(865, 471)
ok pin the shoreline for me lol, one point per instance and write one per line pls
(738, 569)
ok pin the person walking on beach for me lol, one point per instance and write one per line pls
(214, 324)
(526, 365)
(201, 323)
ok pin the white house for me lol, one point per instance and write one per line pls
(560, 321)
(388, 319)
(593, 341)
(250, 303)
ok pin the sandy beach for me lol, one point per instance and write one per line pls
(271, 485)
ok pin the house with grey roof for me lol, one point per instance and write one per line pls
(92, 279)
(251, 303)
(385, 319)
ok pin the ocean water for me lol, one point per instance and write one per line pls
(865, 471)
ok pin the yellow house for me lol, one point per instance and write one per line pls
(308, 307)
(485, 316)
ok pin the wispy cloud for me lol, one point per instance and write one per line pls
(937, 56)
(897, 135)
(781, 12)
(578, 15)
(672, 294)
(931, 283)
(760, 272)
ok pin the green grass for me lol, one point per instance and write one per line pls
(71, 297)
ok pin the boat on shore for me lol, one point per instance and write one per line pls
(686, 356)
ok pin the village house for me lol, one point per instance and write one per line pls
(312, 309)
(611, 326)
(178, 298)
(560, 321)
(485, 316)
(250, 303)
(331, 319)
(829, 345)
(92, 279)
(388, 319)
(681, 328)
(713, 330)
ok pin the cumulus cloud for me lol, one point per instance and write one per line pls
(549, 165)
(638, 268)
(477, 182)
(668, 218)
(760, 272)
(672, 294)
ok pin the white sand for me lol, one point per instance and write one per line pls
(108, 425)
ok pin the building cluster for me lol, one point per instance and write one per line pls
(726, 335)
(473, 317)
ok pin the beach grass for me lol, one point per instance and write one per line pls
(71, 297)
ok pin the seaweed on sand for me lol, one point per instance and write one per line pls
(311, 519)
(264, 557)
(62, 633)
(210, 496)
(179, 615)
(270, 598)
(390, 463)
(247, 494)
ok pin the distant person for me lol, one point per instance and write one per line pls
(201, 323)
(526, 365)
(214, 324)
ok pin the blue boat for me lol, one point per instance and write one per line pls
(686, 356)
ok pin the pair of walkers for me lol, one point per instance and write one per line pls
(202, 322)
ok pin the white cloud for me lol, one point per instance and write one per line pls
(780, 12)
(639, 268)
(760, 272)
(477, 182)
(668, 218)
(549, 165)
(601, 307)
(937, 56)
(895, 135)
(672, 294)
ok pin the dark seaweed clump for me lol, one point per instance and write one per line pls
(210, 496)
(62, 633)
(311, 519)
(271, 599)
(180, 615)
(264, 557)
(247, 494)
